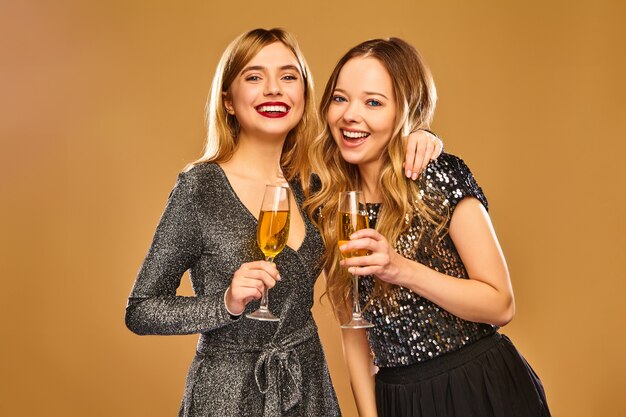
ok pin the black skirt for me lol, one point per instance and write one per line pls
(488, 378)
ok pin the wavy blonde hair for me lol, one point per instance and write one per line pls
(415, 99)
(223, 128)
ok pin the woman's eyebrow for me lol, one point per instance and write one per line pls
(374, 93)
(368, 93)
(263, 68)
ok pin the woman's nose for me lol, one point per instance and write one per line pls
(352, 113)
(272, 88)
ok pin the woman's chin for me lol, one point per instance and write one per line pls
(351, 159)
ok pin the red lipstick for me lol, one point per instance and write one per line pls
(273, 109)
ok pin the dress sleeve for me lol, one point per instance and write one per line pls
(153, 306)
(450, 176)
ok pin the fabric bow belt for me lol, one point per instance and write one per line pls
(277, 370)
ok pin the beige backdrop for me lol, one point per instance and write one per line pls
(101, 105)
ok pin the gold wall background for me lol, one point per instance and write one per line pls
(101, 105)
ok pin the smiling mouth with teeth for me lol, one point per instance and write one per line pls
(354, 136)
(273, 110)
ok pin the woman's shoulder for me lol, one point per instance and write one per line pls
(448, 163)
(450, 175)
(200, 170)
(198, 178)
(447, 169)
(202, 173)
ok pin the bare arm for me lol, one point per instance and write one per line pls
(357, 354)
(486, 297)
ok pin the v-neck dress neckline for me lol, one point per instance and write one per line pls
(299, 200)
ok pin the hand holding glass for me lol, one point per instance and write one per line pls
(352, 216)
(271, 236)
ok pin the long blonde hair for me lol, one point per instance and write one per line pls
(416, 97)
(223, 128)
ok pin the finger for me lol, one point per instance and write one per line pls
(362, 247)
(268, 267)
(363, 233)
(272, 270)
(428, 153)
(253, 298)
(378, 259)
(411, 145)
(356, 262)
(419, 157)
(438, 148)
(254, 279)
(243, 283)
(262, 277)
(363, 270)
(249, 294)
(246, 289)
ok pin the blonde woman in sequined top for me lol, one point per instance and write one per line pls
(260, 118)
(435, 282)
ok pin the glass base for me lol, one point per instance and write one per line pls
(262, 314)
(357, 323)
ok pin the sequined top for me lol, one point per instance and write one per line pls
(416, 329)
(243, 367)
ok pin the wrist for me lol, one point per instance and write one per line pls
(232, 309)
(404, 271)
(427, 131)
(437, 138)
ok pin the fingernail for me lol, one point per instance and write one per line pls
(414, 177)
(408, 173)
(278, 278)
(342, 247)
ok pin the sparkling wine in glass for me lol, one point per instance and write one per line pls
(352, 216)
(271, 236)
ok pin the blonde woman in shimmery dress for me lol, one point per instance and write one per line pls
(434, 281)
(261, 118)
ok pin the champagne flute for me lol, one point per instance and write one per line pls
(352, 216)
(271, 236)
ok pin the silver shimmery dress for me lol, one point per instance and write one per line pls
(242, 367)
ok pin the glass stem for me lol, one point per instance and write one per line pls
(356, 308)
(265, 298)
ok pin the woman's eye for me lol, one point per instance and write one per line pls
(290, 78)
(373, 103)
(253, 78)
(338, 99)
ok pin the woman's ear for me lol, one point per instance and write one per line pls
(228, 103)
